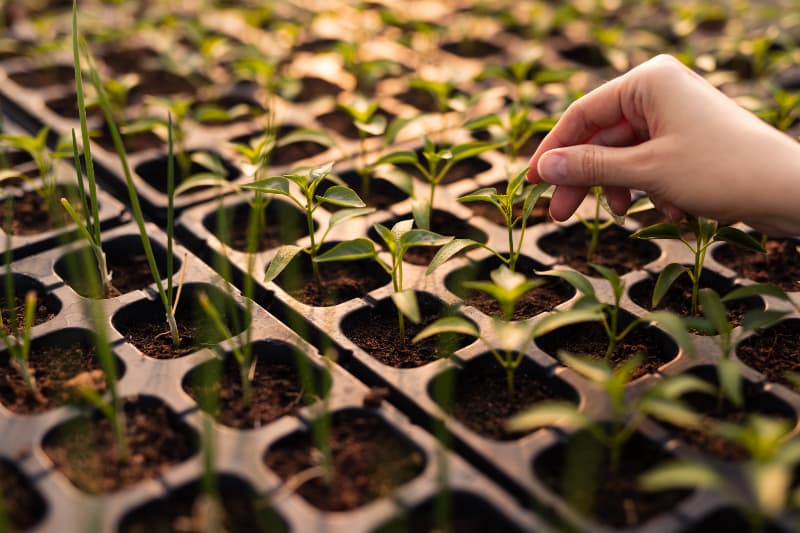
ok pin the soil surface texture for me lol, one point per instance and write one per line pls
(85, 450)
(23, 505)
(780, 265)
(774, 352)
(368, 461)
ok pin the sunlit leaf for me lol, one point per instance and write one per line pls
(449, 250)
(547, 414)
(406, 303)
(714, 310)
(561, 319)
(341, 196)
(346, 214)
(575, 279)
(448, 324)
(595, 370)
(730, 380)
(282, 258)
(739, 238)
(662, 230)
(756, 289)
(675, 326)
(348, 251)
(681, 475)
(665, 280)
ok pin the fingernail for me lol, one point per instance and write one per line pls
(553, 168)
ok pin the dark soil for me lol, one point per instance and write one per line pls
(341, 280)
(276, 386)
(586, 54)
(283, 224)
(122, 60)
(44, 77)
(471, 48)
(774, 352)
(228, 102)
(296, 151)
(159, 82)
(133, 142)
(339, 121)
(589, 338)
(53, 367)
(184, 510)
(614, 249)
(154, 171)
(727, 520)
(780, 265)
(444, 223)
(679, 296)
(67, 106)
(313, 88)
(369, 460)
(422, 99)
(375, 330)
(540, 213)
(459, 512)
(43, 312)
(21, 504)
(580, 471)
(85, 451)
(543, 298)
(481, 400)
(32, 215)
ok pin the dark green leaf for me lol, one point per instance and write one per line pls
(739, 238)
(662, 230)
(665, 280)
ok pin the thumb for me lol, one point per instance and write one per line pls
(587, 165)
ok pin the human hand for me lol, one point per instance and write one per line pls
(663, 129)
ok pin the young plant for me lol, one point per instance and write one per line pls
(169, 297)
(661, 401)
(517, 129)
(36, 147)
(88, 224)
(764, 489)
(16, 336)
(309, 201)
(507, 287)
(706, 232)
(608, 314)
(596, 225)
(715, 320)
(517, 191)
(433, 163)
(398, 240)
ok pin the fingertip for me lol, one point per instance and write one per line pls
(619, 199)
(565, 201)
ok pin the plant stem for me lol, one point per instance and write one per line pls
(595, 230)
(699, 259)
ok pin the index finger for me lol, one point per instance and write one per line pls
(599, 109)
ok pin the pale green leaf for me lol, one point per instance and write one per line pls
(714, 311)
(675, 326)
(448, 324)
(282, 258)
(346, 214)
(739, 238)
(575, 279)
(730, 380)
(348, 251)
(561, 319)
(341, 196)
(595, 370)
(665, 280)
(406, 303)
(449, 250)
(663, 230)
(756, 289)
(681, 475)
(422, 237)
(547, 414)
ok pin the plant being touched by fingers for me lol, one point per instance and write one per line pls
(507, 287)
(764, 491)
(596, 225)
(309, 201)
(517, 192)
(608, 314)
(706, 232)
(661, 401)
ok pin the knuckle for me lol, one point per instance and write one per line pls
(593, 166)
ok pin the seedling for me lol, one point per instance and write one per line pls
(517, 191)
(433, 163)
(169, 297)
(309, 201)
(515, 131)
(366, 71)
(507, 287)
(706, 232)
(36, 147)
(398, 240)
(370, 123)
(763, 491)
(784, 111)
(661, 401)
(608, 314)
(715, 320)
(596, 225)
(89, 227)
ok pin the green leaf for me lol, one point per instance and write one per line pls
(448, 324)
(681, 475)
(386, 235)
(346, 214)
(640, 206)
(714, 311)
(756, 319)
(663, 230)
(481, 123)
(673, 387)
(395, 127)
(467, 150)
(512, 336)
(341, 196)
(756, 289)
(449, 250)
(665, 280)
(730, 380)
(675, 326)
(548, 414)
(274, 185)
(422, 237)
(348, 251)
(609, 275)
(487, 194)
(670, 411)
(575, 279)
(204, 180)
(308, 135)
(560, 319)
(406, 303)
(421, 212)
(739, 238)
(375, 126)
(402, 157)
(209, 162)
(533, 196)
(596, 370)
(282, 258)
